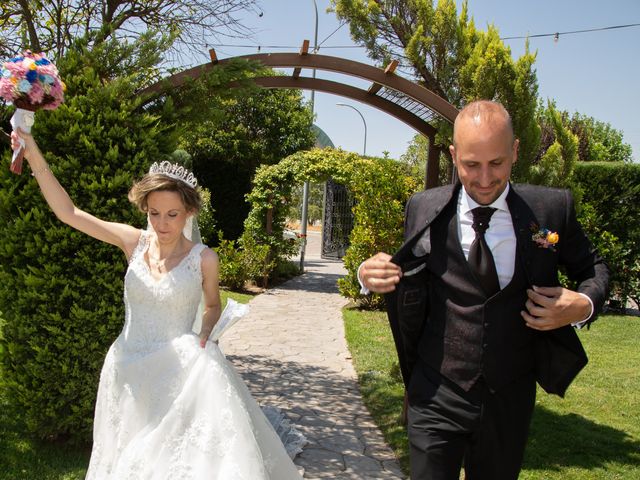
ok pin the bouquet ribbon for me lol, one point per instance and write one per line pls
(24, 120)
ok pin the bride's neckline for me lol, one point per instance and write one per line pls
(145, 255)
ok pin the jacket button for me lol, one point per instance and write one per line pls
(485, 345)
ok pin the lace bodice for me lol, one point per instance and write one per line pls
(157, 311)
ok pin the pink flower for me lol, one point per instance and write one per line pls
(7, 90)
(48, 70)
(36, 94)
(17, 69)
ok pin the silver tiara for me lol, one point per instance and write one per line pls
(174, 170)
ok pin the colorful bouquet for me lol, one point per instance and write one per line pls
(30, 82)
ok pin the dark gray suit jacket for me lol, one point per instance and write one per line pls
(559, 353)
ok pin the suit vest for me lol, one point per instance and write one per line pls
(468, 335)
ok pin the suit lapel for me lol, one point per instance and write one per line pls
(431, 206)
(440, 201)
(522, 217)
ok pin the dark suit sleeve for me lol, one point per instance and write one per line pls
(409, 222)
(407, 304)
(583, 264)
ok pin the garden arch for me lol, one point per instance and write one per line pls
(379, 186)
(407, 101)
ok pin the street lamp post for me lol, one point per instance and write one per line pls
(305, 187)
(364, 150)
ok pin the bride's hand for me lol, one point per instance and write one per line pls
(30, 143)
(204, 336)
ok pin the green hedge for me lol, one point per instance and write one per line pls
(611, 216)
(60, 290)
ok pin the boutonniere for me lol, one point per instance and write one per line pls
(544, 238)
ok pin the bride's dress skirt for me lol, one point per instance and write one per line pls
(168, 409)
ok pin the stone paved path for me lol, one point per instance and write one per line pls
(292, 353)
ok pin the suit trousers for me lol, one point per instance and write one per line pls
(484, 429)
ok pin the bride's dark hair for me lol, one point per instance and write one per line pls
(157, 182)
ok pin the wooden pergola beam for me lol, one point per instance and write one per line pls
(351, 92)
(304, 50)
(379, 78)
(391, 68)
(213, 56)
(322, 62)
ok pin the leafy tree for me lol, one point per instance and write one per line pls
(52, 26)
(314, 207)
(597, 141)
(247, 131)
(447, 54)
(491, 73)
(555, 167)
(416, 158)
(60, 290)
(611, 205)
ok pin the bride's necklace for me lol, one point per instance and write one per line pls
(160, 263)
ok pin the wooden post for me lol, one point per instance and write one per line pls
(432, 172)
(269, 229)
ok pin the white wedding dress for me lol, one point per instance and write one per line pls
(168, 409)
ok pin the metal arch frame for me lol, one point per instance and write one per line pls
(379, 77)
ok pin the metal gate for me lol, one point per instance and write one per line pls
(337, 220)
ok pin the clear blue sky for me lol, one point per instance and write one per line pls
(597, 74)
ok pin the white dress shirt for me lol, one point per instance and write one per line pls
(500, 236)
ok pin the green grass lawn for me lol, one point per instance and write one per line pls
(594, 433)
(22, 458)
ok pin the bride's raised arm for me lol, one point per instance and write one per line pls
(119, 234)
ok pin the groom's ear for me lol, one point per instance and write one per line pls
(516, 146)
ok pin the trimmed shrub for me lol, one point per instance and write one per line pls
(60, 290)
(240, 264)
(611, 207)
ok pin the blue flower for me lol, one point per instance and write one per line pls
(32, 76)
(46, 79)
(24, 86)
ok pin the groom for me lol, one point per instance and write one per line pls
(475, 305)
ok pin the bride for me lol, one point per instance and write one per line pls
(169, 404)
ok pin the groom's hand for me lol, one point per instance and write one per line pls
(379, 274)
(548, 308)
